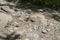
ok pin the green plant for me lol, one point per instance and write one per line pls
(48, 3)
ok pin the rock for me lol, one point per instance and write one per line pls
(7, 9)
(38, 17)
(27, 39)
(3, 2)
(44, 31)
(40, 10)
(39, 20)
(4, 19)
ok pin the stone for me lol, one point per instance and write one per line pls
(39, 17)
(4, 19)
(44, 31)
(3, 2)
(40, 10)
(7, 9)
(39, 20)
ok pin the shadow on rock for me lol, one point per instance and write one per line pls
(56, 17)
(11, 36)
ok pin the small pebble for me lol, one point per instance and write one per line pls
(44, 31)
(48, 30)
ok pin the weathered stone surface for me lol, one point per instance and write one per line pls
(24, 24)
(7, 9)
(2, 1)
(4, 19)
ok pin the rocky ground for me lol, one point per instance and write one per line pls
(27, 24)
